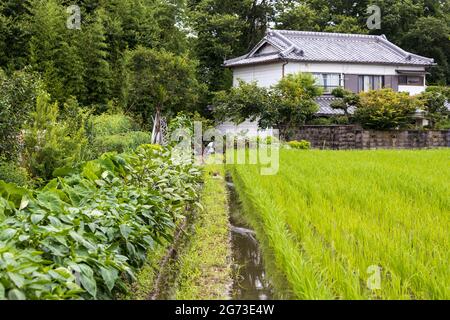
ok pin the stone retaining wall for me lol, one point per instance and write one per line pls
(354, 137)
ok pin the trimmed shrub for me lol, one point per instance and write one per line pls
(386, 109)
(300, 145)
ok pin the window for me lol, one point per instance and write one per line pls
(367, 83)
(410, 80)
(328, 81)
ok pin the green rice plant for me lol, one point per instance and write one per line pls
(338, 216)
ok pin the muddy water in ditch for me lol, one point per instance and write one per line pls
(250, 279)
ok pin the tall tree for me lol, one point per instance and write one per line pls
(97, 68)
(161, 82)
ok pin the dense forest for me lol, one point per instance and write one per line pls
(133, 57)
(97, 63)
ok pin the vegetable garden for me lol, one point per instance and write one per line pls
(86, 233)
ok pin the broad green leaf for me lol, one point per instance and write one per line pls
(2, 292)
(16, 278)
(50, 201)
(36, 218)
(125, 231)
(24, 203)
(7, 234)
(87, 280)
(16, 294)
(110, 276)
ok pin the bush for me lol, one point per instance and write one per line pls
(17, 100)
(320, 122)
(386, 109)
(120, 142)
(112, 124)
(50, 143)
(301, 145)
(12, 173)
(444, 90)
(434, 102)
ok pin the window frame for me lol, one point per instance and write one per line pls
(406, 83)
(361, 80)
(328, 89)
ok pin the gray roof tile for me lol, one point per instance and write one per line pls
(331, 47)
(325, 108)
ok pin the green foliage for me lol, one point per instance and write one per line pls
(185, 121)
(160, 80)
(292, 103)
(114, 132)
(225, 29)
(17, 99)
(112, 124)
(320, 121)
(328, 121)
(267, 140)
(347, 99)
(13, 173)
(97, 70)
(301, 145)
(444, 90)
(434, 100)
(83, 235)
(286, 105)
(240, 103)
(386, 109)
(50, 144)
(120, 143)
(429, 36)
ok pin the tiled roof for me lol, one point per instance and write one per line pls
(330, 47)
(325, 108)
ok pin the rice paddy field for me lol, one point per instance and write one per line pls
(354, 224)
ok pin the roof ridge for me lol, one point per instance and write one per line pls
(336, 35)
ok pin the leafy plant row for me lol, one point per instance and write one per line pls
(85, 233)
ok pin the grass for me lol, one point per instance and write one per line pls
(330, 218)
(205, 268)
(143, 286)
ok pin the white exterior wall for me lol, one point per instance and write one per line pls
(349, 68)
(250, 129)
(413, 90)
(265, 74)
(269, 74)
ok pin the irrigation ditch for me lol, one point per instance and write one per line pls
(215, 253)
(250, 281)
